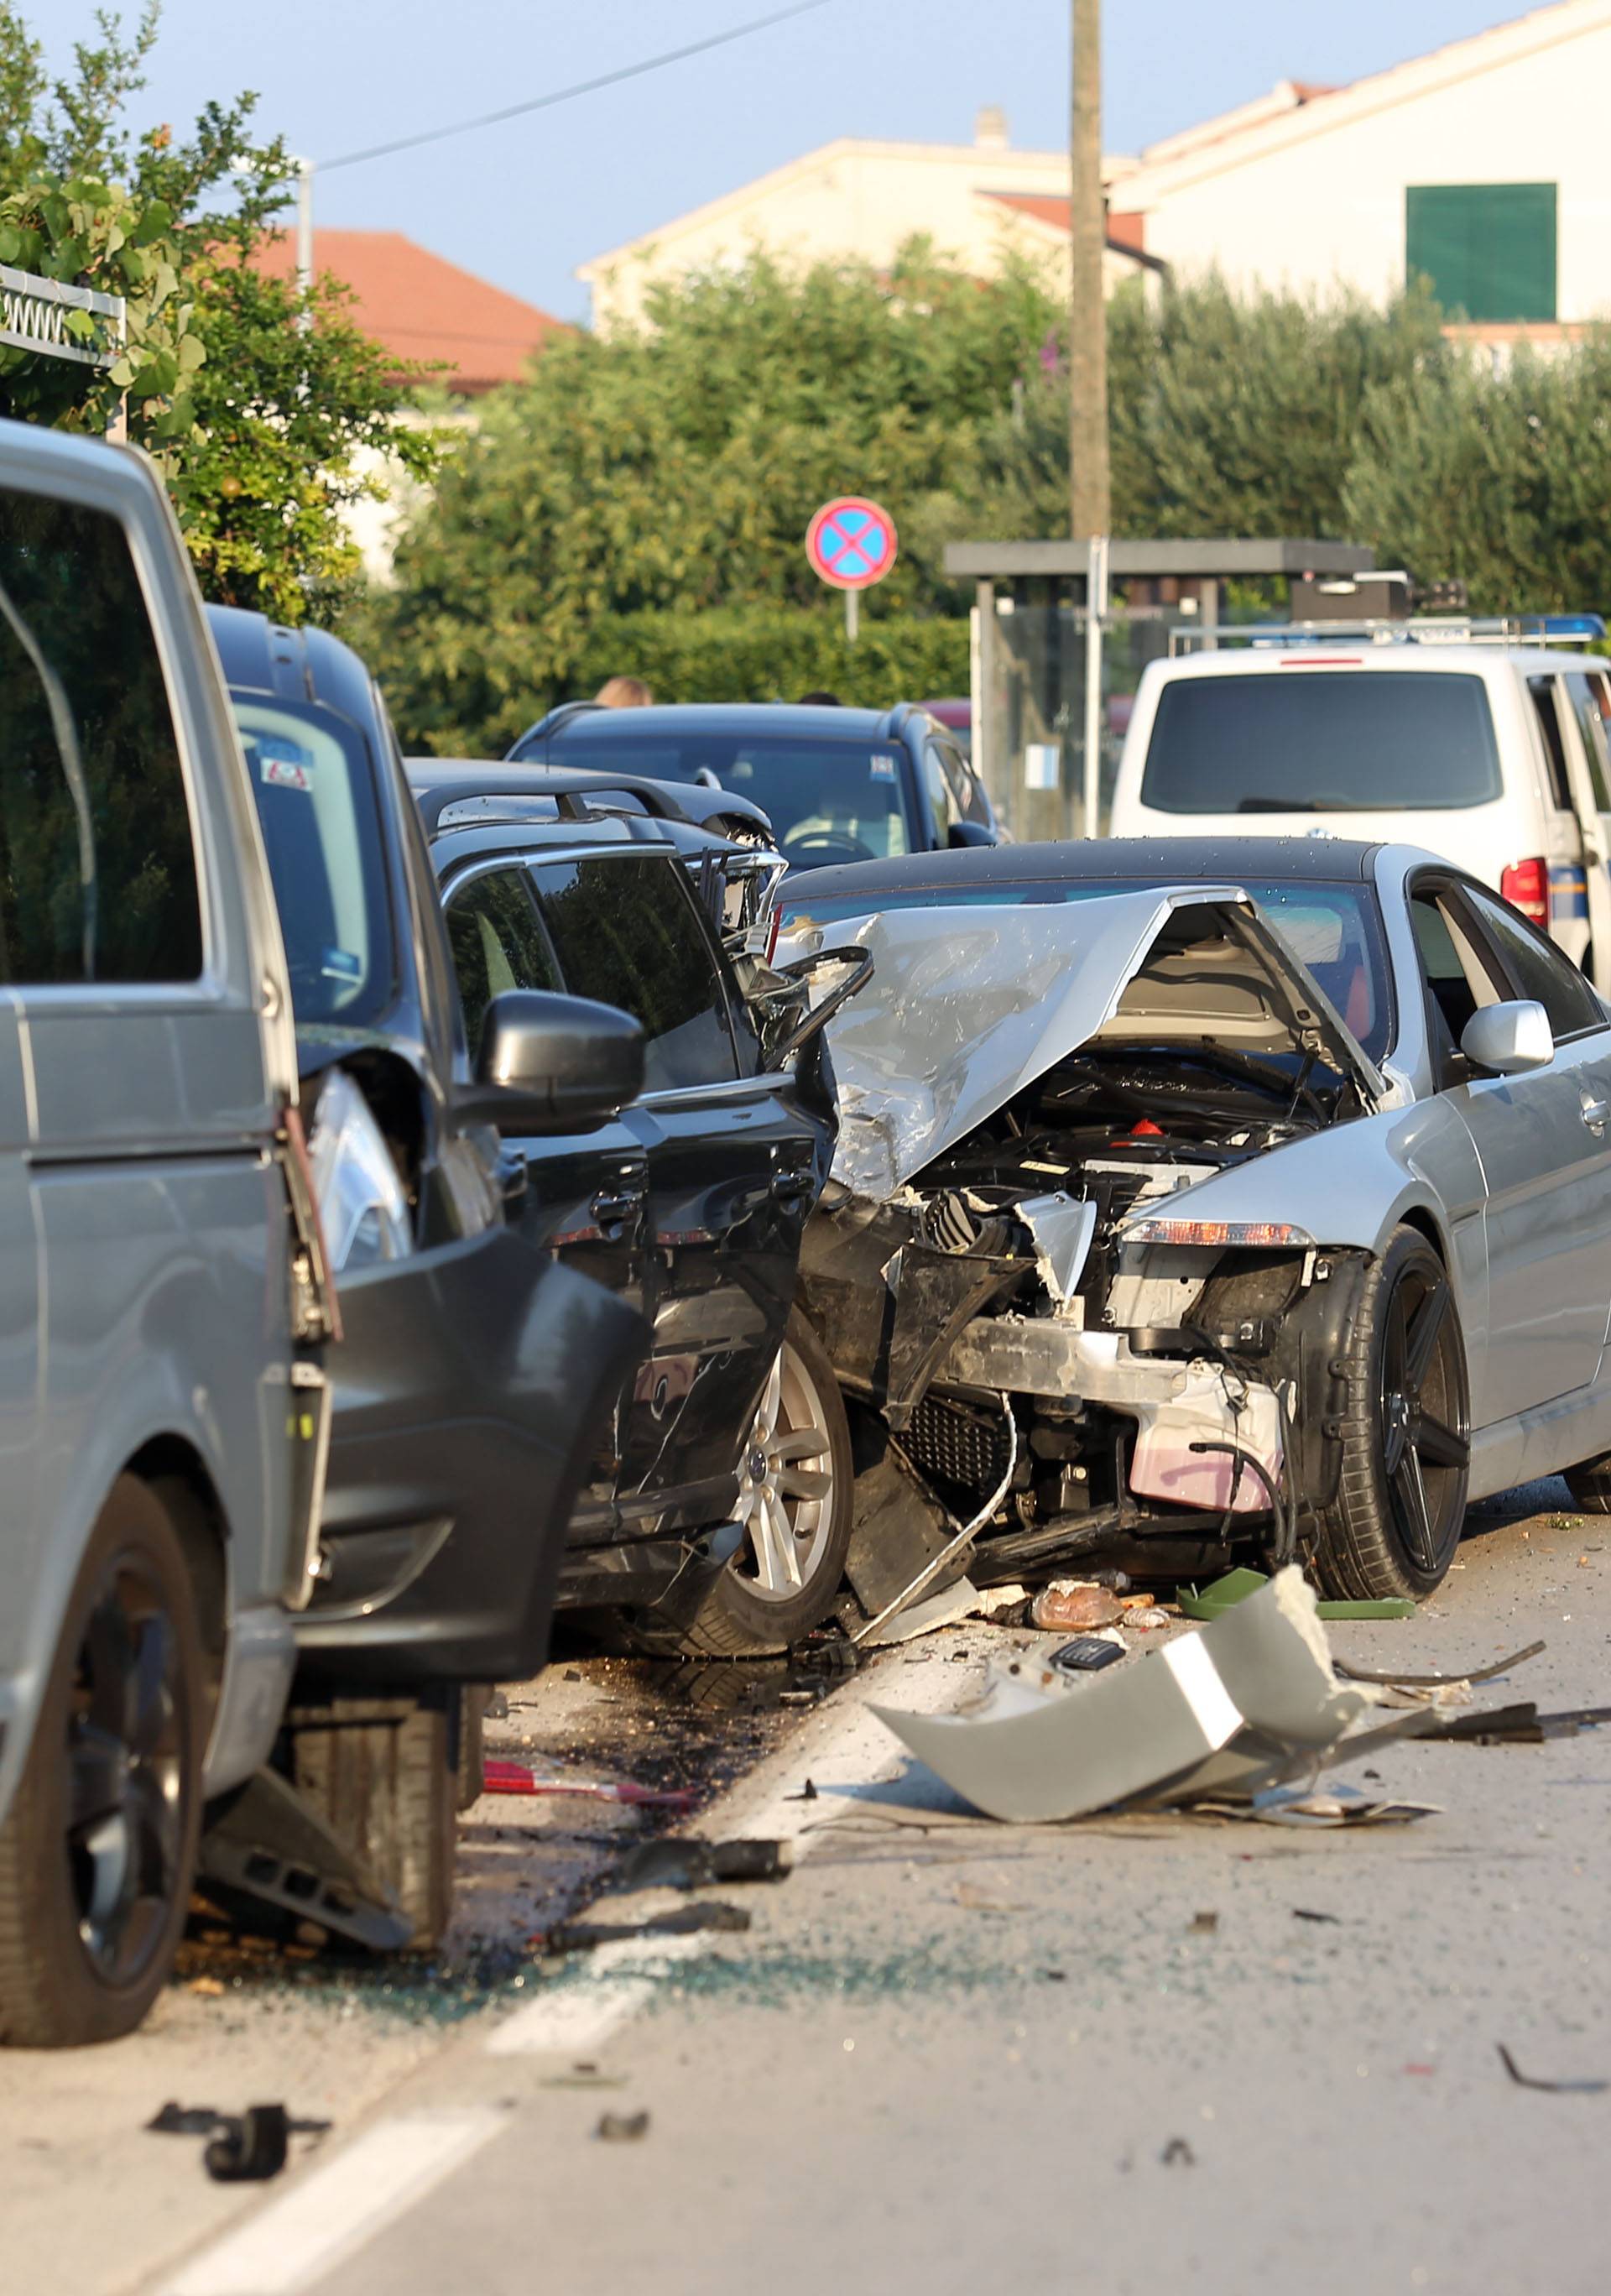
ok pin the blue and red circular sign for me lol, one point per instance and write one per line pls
(851, 543)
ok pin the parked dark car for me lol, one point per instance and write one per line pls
(837, 785)
(718, 1517)
(492, 792)
(475, 1378)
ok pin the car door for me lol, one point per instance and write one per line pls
(1544, 1142)
(1586, 696)
(735, 1164)
(586, 1194)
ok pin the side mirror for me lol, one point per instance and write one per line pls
(1509, 1039)
(969, 832)
(552, 1064)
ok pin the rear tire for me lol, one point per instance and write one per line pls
(1590, 1485)
(99, 1850)
(801, 1514)
(1400, 1504)
(389, 1790)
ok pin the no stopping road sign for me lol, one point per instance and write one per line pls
(851, 543)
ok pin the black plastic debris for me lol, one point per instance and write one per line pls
(1178, 2154)
(1519, 1725)
(1311, 1914)
(1204, 1924)
(686, 1863)
(1397, 1678)
(1085, 1654)
(621, 2127)
(807, 1792)
(586, 1937)
(250, 2150)
(1551, 2087)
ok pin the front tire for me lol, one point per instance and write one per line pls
(1401, 1505)
(99, 1851)
(799, 1512)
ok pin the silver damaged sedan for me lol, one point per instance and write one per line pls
(1191, 1196)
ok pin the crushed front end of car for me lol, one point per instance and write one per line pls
(1027, 1098)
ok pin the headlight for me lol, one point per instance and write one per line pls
(361, 1199)
(1259, 1234)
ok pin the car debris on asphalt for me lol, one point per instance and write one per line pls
(1223, 1715)
(1551, 2087)
(683, 1862)
(682, 1920)
(242, 2148)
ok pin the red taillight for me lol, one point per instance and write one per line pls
(1525, 885)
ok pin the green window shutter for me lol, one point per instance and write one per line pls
(1488, 249)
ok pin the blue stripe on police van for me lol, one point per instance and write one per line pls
(1568, 893)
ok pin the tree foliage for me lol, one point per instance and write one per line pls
(268, 411)
(675, 467)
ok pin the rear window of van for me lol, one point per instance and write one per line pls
(1322, 741)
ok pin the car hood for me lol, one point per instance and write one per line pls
(968, 1007)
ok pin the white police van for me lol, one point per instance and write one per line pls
(1448, 735)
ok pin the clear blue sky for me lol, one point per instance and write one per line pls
(524, 203)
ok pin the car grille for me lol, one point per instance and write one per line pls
(957, 1443)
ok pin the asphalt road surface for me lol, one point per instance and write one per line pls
(1132, 2055)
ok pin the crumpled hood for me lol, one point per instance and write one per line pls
(967, 1006)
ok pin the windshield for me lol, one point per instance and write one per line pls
(1334, 929)
(826, 801)
(314, 788)
(1314, 741)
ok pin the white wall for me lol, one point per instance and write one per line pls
(1312, 205)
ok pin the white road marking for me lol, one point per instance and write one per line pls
(336, 2209)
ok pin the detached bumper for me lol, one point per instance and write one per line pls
(474, 1386)
(1173, 1404)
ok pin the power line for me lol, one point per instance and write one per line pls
(582, 87)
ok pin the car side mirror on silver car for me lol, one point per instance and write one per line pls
(550, 1063)
(1509, 1039)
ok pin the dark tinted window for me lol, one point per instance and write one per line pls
(97, 869)
(497, 943)
(314, 784)
(1317, 741)
(1539, 969)
(826, 800)
(1335, 929)
(1542, 690)
(628, 933)
(1588, 696)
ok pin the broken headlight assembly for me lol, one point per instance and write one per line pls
(1253, 1235)
(362, 1202)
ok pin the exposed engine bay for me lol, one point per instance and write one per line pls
(1017, 1235)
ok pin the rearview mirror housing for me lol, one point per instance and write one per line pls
(552, 1063)
(968, 832)
(1509, 1039)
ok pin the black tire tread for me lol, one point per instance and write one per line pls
(1355, 1559)
(46, 2000)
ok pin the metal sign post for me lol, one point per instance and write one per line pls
(34, 317)
(850, 544)
(1096, 614)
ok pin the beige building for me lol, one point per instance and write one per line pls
(865, 200)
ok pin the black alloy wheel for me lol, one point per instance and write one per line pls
(1401, 1505)
(1425, 1419)
(98, 1851)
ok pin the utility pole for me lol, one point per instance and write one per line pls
(1089, 507)
(305, 235)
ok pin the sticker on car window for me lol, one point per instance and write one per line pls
(341, 965)
(283, 764)
(883, 766)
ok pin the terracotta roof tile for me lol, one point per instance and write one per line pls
(1125, 231)
(421, 306)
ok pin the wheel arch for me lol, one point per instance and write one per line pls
(177, 1475)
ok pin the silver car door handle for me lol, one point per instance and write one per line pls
(1595, 1113)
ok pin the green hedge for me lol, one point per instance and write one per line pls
(765, 653)
(499, 678)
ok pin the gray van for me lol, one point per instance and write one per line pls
(162, 1411)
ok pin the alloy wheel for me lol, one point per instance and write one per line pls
(125, 1759)
(786, 1485)
(1426, 1428)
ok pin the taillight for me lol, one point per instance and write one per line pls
(1525, 885)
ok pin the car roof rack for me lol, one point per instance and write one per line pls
(566, 787)
(1542, 630)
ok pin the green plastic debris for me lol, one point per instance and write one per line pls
(1210, 1601)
